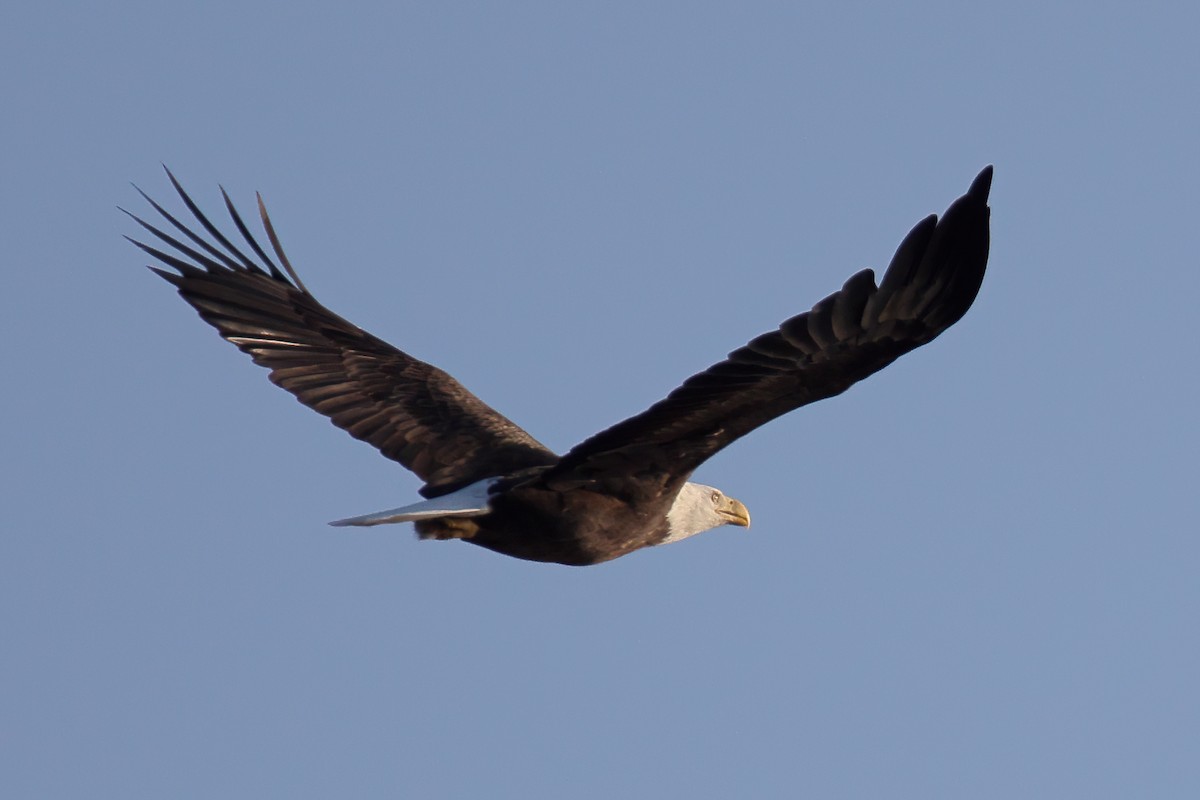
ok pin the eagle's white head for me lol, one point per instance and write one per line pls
(698, 508)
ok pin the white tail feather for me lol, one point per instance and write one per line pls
(470, 501)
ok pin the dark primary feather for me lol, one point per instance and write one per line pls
(930, 283)
(414, 413)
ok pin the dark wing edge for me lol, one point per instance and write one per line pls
(411, 411)
(929, 285)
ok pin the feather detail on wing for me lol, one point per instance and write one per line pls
(931, 282)
(413, 412)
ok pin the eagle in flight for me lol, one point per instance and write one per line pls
(489, 482)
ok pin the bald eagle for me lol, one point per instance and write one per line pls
(489, 482)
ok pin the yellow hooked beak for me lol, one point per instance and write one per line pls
(734, 513)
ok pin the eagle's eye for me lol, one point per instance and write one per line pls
(716, 497)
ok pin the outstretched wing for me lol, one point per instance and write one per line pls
(930, 283)
(414, 413)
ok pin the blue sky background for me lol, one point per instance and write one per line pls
(975, 575)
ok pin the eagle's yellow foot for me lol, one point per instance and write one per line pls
(447, 528)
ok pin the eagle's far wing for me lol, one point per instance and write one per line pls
(414, 413)
(930, 283)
